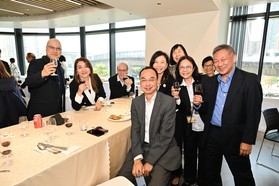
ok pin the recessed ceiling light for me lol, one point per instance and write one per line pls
(32, 5)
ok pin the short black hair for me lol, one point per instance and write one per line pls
(149, 67)
(12, 60)
(206, 59)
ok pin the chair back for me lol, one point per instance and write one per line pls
(271, 117)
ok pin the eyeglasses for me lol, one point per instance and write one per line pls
(185, 67)
(207, 66)
(53, 48)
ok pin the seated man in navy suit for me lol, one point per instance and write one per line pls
(121, 84)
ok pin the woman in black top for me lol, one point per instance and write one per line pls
(86, 88)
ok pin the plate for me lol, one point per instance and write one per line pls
(124, 118)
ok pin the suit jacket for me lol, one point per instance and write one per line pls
(163, 148)
(12, 104)
(166, 86)
(45, 93)
(242, 109)
(116, 88)
(85, 101)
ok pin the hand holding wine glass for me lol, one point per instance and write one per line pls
(23, 124)
(175, 89)
(198, 89)
(54, 60)
(176, 85)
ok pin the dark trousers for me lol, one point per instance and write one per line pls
(239, 165)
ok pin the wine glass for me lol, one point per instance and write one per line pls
(131, 95)
(23, 124)
(125, 77)
(81, 80)
(54, 60)
(69, 124)
(198, 89)
(49, 128)
(176, 85)
(6, 152)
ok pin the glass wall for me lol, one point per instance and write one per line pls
(261, 36)
(7, 46)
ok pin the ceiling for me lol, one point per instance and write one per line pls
(63, 13)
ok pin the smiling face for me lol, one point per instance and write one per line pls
(208, 68)
(186, 69)
(82, 70)
(148, 82)
(224, 61)
(177, 54)
(53, 49)
(160, 64)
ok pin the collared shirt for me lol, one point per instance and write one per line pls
(148, 111)
(189, 89)
(122, 83)
(222, 93)
(89, 94)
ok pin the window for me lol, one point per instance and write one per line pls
(97, 51)
(130, 48)
(258, 41)
(70, 49)
(7, 46)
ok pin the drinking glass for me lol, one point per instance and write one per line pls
(176, 85)
(69, 125)
(198, 90)
(23, 124)
(6, 152)
(131, 95)
(54, 60)
(49, 129)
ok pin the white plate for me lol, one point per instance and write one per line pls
(124, 118)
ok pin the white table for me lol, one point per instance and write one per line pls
(98, 159)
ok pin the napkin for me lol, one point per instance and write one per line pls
(70, 150)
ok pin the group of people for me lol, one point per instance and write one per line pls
(224, 116)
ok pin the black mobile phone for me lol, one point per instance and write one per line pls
(95, 132)
(101, 129)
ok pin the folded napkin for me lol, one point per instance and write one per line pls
(70, 150)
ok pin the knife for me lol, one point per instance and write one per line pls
(4, 170)
(53, 146)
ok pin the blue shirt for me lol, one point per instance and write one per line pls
(222, 93)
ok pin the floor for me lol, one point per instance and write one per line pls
(262, 175)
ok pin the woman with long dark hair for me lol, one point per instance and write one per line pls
(86, 88)
(160, 61)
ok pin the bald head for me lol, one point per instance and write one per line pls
(53, 48)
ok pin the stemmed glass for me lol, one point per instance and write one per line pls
(54, 60)
(176, 85)
(6, 152)
(23, 124)
(131, 95)
(69, 124)
(198, 90)
(49, 128)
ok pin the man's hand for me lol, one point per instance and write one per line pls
(245, 149)
(48, 69)
(197, 100)
(138, 169)
(128, 82)
(147, 169)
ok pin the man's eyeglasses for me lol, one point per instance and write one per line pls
(54, 48)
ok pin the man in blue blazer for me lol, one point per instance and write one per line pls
(154, 152)
(46, 89)
(232, 106)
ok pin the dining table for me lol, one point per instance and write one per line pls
(88, 160)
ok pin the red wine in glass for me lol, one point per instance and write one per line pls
(198, 89)
(176, 85)
(81, 81)
(124, 78)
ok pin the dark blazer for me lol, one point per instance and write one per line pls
(74, 88)
(163, 148)
(116, 88)
(242, 109)
(12, 104)
(166, 86)
(45, 93)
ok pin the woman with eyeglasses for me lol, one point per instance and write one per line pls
(160, 61)
(186, 135)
